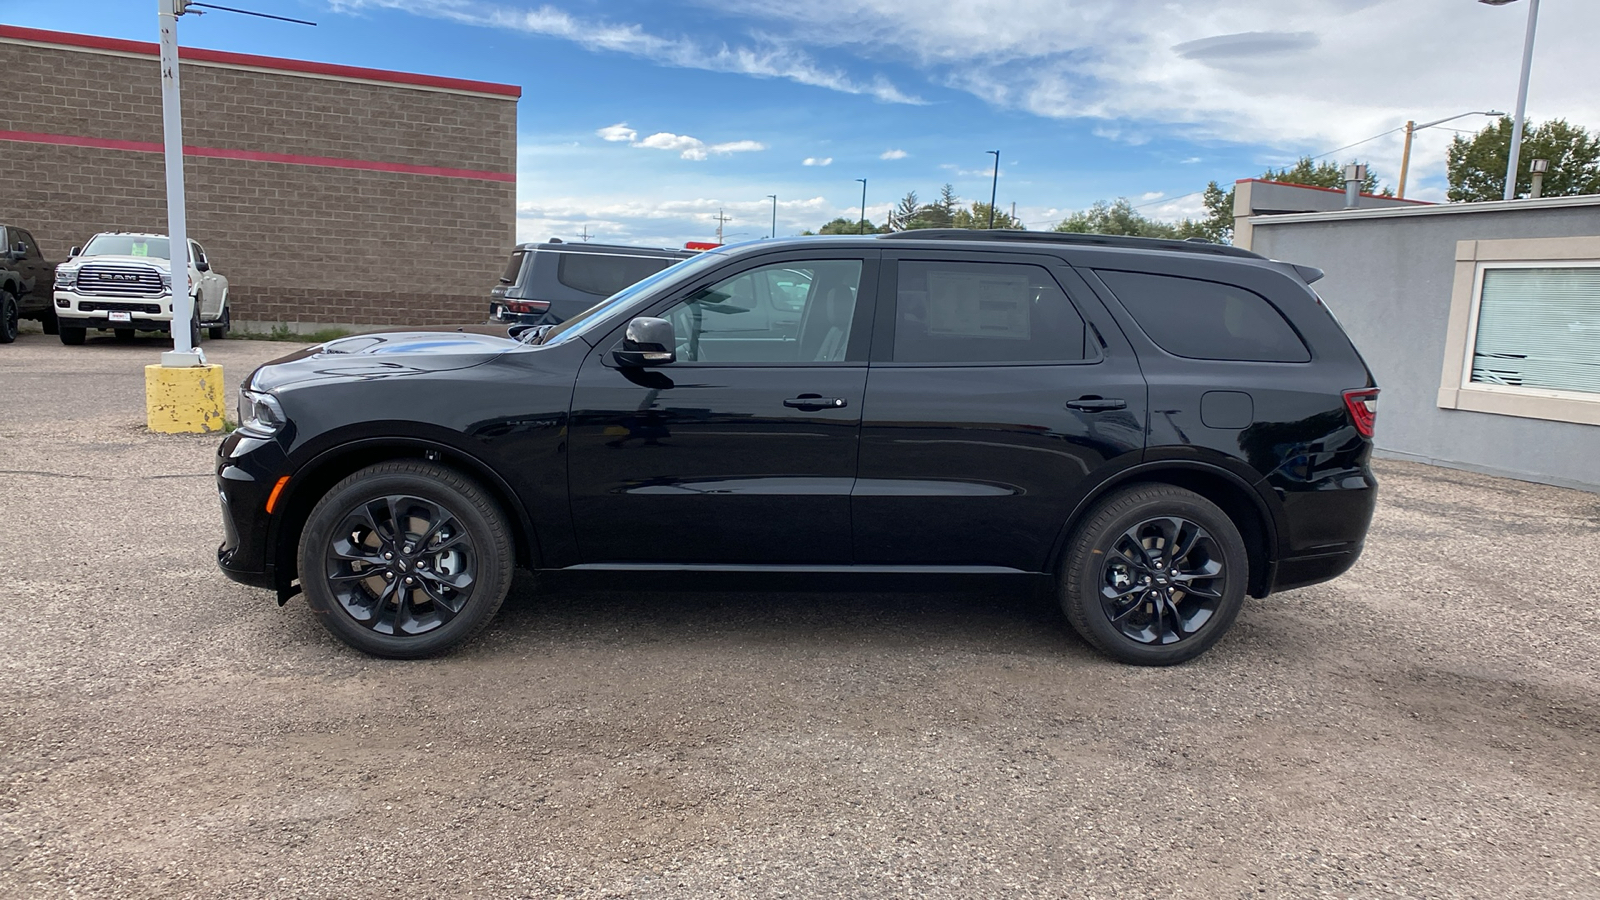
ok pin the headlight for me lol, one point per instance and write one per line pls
(66, 277)
(166, 279)
(260, 413)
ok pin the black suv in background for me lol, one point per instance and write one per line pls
(27, 282)
(548, 283)
(1157, 427)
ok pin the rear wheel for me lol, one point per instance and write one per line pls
(52, 325)
(123, 335)
(220, 330)
(8, 317)
(72, 337)
(406, 559)
(1155, 575)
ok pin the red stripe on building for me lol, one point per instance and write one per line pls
(326, 162)
(143, 48)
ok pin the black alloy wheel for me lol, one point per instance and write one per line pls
(1155, 575)
(220, 331)
(405, 559)
(8, 317)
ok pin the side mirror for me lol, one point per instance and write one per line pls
(203, 266)
(74, 252)
(647, 342)
(20, 251)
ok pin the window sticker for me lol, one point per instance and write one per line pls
(978, 305)
(139, 249)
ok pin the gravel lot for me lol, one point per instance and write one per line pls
(1427, 726)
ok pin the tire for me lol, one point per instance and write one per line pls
(194, 328)
(124, 335)
(8, 317)
(52, 325)
(1166, 619)
(350, 529)
(73, 337)
(218, 332)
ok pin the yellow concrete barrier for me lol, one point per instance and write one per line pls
(185, 400)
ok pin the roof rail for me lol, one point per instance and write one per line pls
(1188, 245)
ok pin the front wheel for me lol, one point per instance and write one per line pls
(219, 331)
(406, 559)
(1155, 575)
(71, 336)
(52, 325)
(8, 317)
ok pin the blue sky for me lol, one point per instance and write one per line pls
(641, 120)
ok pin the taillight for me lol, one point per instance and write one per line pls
(1363, 406)
(527, 306)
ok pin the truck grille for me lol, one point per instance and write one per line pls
(119, 280)
(91, 306)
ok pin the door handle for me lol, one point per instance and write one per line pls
(1096, 404)
(815, 401)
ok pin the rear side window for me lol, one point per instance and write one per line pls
(513, 268)
(604, 275)
(1206, 319)
(959, 312)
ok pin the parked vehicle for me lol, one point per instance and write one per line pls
(548, 283)
(1158, 427)
(26, 280)
(122, 281)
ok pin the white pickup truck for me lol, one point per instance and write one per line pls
(122, 281)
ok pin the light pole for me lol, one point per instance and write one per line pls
(1522, 95)
(1412, 128)
(774, 214)
(863, 228)
(994, 183)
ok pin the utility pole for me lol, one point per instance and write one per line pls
(994, 184)
(183, 351)
(863, 227)
(584, 235)
(774, 198)
(720, 220)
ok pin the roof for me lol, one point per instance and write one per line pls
(560, 246)
(118, 46)
(1436, 209)
(1340, 191)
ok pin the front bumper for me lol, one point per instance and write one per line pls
(247, 470)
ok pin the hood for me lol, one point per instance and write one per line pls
(389, 354)
(154, 262)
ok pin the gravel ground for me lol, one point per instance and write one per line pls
(1426, 726)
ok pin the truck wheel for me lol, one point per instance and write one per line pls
(194, 328)
(52, 325)
(218, 332)
(406, 559)
(72, 337)
(1154, 575)
(123, 335)
(8, 317)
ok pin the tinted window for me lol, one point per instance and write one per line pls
(784, 313)
(509, 276)
(1206, 319)
(604, 275)
(26, 239)
(983, 312)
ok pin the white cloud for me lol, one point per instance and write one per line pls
(768, 58)
(893, 154)
(617, 132)
(817, 161)
(1152, 195)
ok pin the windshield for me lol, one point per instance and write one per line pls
(682, 271)
(128, 245)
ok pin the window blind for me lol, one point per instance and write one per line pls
(1539, 328)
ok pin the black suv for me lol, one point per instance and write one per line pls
(1159, 427)
(548, 283)
(27, 282)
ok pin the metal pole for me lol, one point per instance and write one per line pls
(863, 228)
(183, 352)
(994, 183)
(1522, 103)
(774, 214)
(1405, 160)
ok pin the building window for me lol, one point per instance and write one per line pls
(1525, 330)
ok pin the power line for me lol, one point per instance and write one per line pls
(246, 12)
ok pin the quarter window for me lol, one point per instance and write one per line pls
(959, 312)
(1206, 319)
(1538, 328)
(796, 312)
(605, 274)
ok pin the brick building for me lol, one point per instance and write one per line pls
(328, 195)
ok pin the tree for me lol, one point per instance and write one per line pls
(1323, 174)
(905, 216)
(1477, 165)
(976, 217)
(1117, 217)
(842, 225)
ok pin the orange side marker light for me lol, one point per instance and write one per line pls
(272, 498)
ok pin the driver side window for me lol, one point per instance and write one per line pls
(791, 312)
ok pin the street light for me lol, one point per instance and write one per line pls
(1413, 128)
(863, 228)
(993, 184)
(774, 214)
(1522, 94)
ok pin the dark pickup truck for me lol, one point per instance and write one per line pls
(27, 281)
